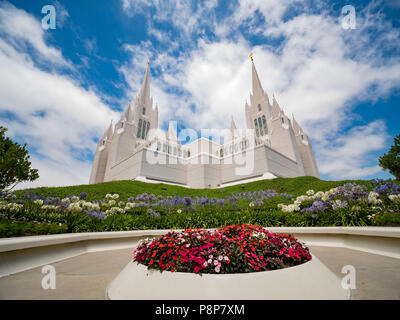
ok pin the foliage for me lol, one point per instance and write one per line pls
(391, 160)
(231, 249)
(15, 166)
(349, 204)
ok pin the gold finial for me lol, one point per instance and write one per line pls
(148, 61)
(251, 56)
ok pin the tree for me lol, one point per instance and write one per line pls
(15, 166)
(391, 160)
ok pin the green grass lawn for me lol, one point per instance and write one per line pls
(126, 188)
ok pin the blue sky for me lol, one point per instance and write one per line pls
(60, 88)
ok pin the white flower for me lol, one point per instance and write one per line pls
(179, 211)
(395, 198)
(310, 192)
(39, 202)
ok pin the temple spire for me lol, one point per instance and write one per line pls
(257, 88)
(145, 89)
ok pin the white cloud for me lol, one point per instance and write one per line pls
(20, 29)
(50, 111)
(346, 158)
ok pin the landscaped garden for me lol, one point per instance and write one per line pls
(132, 205)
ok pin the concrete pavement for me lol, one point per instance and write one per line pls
(87, 276)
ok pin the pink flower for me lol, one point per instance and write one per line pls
(196, 269)
(216, 262)
(220, 258)
(209, 261)
(205, 264)
(210, 256)
(217, 269)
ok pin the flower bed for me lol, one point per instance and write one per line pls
(231, 249)
(350, 204)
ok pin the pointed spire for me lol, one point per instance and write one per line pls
(276, 109)
(296, 127)
(128, 112)
(145, 89)
(171, 134)
(256, 84)
(108, 134)
(233, 125)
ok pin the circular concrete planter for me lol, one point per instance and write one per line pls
(310, 280)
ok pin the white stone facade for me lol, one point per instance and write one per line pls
(272, 146)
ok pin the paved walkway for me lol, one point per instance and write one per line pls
(87, 276)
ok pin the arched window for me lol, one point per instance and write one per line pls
(143, 129)
(139, 128)
(265, 124)
(256, 126)
(144, 111)
(261, 127)
(302, 137)
(221, 152)
(259, 107)
(122, 125)
(188, 153)
(283, 120)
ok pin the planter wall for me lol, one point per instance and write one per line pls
(310, 280)
(23, 253)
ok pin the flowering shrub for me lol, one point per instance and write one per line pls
(350, 204)
(231, 249)
(345, 196)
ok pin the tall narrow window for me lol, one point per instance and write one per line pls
(265, 125)
(147, 130)
(143, 129)
(283, 120)
(256, 125)
(158, 146)
(261, 127)
(259, 107)
(122, 125)
(139, 128)
(144, 111)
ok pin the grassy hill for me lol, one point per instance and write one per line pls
(126, 188)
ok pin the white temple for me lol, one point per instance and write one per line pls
(272, 146)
